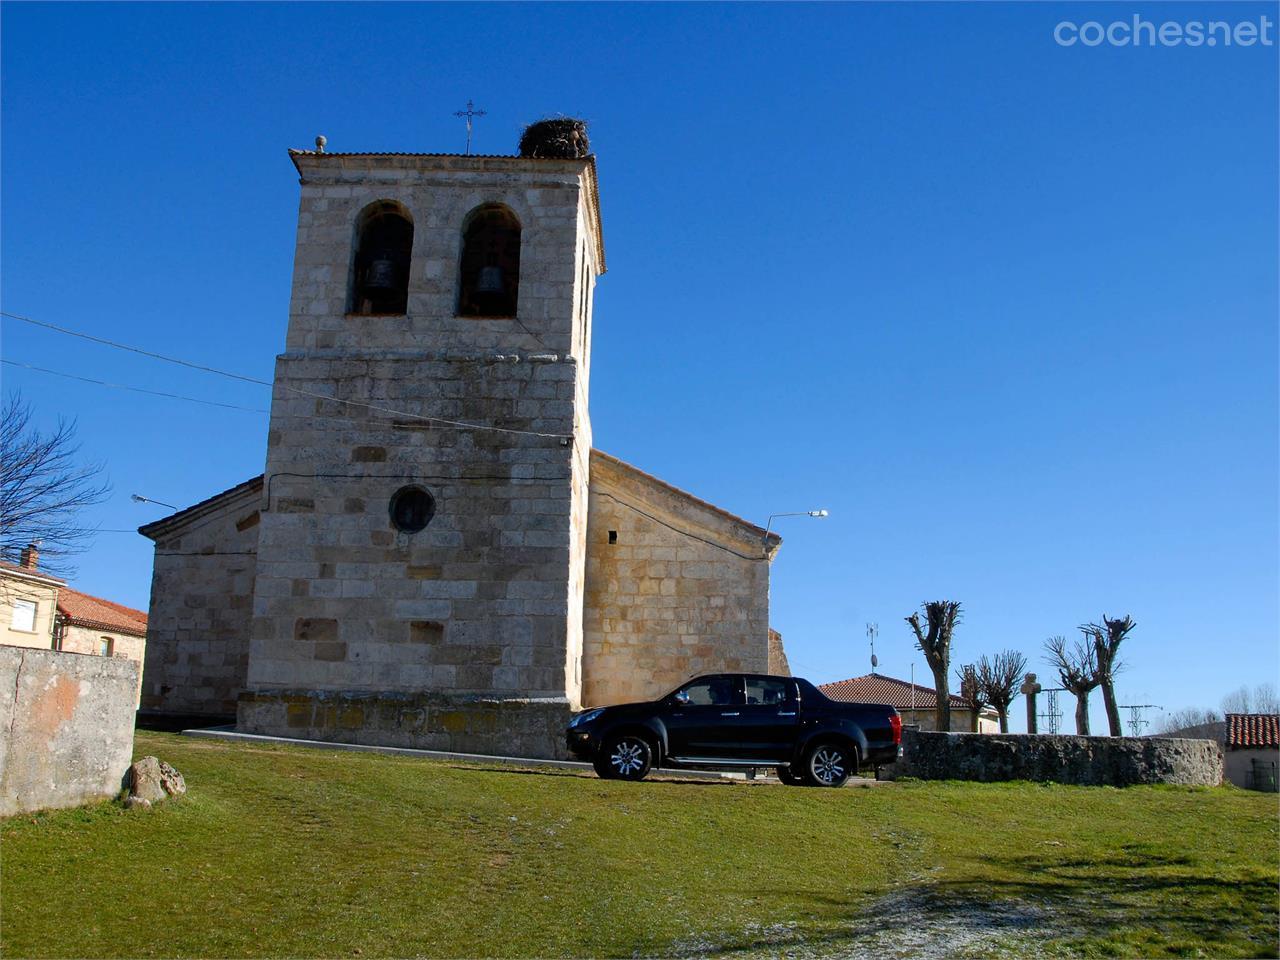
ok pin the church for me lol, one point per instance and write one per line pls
(436, 555)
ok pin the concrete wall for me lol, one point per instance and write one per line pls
(1240, 766)
(683, 590)
(84, 640)
(43, 595)
(66, 727)
(1089, 761)
(197, 649)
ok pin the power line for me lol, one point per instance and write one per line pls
(138, 350)
(122, 386)
(266, 383)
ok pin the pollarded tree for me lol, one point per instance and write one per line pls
(971, 691)
(934, 640)
(999, 680)
(1106, 638)
(1078, 670)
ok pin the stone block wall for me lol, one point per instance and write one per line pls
(556, 202)
(197, 649)
(675, 588)
(1083, 761)
(477, 602)
(500, 726)
(66, 727)
(486, 600)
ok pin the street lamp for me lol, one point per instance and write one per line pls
(137, 498)
(819, 514)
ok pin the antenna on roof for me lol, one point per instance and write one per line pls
(873, 631)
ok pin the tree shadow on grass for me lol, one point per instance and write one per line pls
(1175, 897)
(913, 921)
(1139, 900)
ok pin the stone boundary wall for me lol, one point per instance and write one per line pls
(66, 727)
(1083, 761)
(512, 727)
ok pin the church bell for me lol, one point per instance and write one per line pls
(381, 274)
(490, 280)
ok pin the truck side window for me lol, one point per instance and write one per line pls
(764, 691)
(713, 692)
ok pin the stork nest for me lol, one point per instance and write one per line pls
(562, 138)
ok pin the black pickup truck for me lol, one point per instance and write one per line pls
(730, 721)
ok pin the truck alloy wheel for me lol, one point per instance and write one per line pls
(625, 758)
(828, 765)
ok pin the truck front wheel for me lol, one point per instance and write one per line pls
(627, 757)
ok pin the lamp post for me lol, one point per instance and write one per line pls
(138, 498)
(819, 514)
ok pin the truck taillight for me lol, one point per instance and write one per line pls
(895, 721)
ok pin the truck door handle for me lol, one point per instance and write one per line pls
(733, 713)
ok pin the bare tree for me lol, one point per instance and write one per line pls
(1262, 699)
(934, 642)
(971, 691)
(1106, 638)
(1077, 667)
(1192, 722)
(44, 486)
(1000, 680)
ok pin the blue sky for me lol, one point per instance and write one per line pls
(1007, 309)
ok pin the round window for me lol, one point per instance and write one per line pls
(412, 509)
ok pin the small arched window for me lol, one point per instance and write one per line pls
(490, 269)
(380, 268)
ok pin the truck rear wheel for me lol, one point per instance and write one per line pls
(789, 777)
(829, 764)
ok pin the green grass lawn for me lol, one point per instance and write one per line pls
(281, 851)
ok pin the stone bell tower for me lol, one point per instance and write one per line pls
(421, 557)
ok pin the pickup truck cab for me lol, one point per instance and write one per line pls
(739, 721)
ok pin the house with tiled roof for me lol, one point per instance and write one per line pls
(42, 612)
(29, 597)
(1252, 750)
(917, 704)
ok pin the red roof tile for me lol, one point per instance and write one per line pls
(81, 610)
(1253, 730)
(874, 688)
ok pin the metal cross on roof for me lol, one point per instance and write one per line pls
(469, 113)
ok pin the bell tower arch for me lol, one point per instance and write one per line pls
(421, 560)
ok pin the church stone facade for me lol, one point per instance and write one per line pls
(435, 555)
